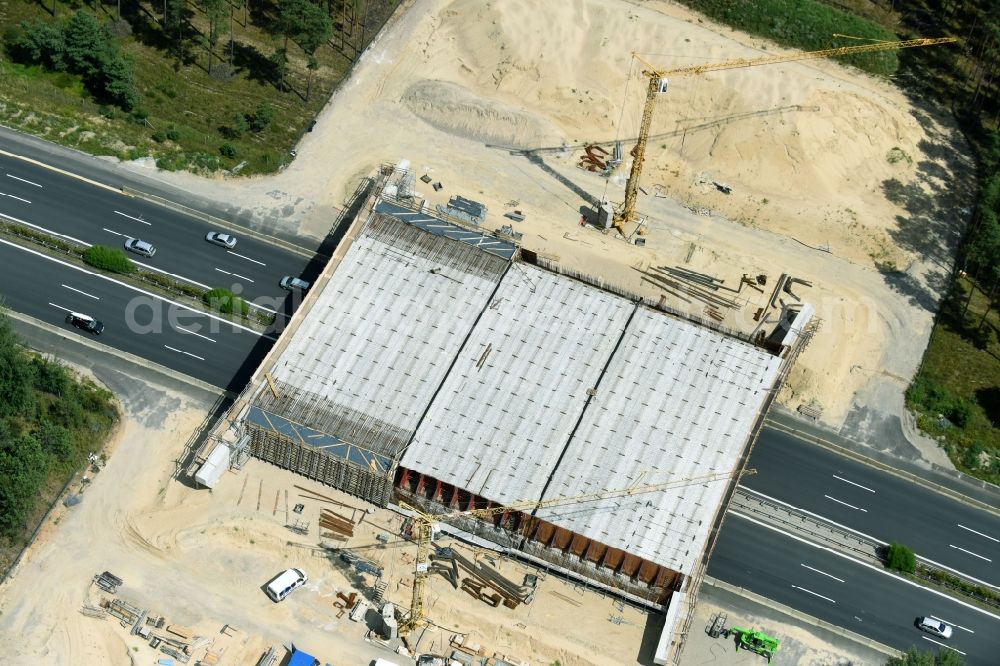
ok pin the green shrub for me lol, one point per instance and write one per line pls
(173, 134)
(159, 136)
(240, 125)
(227, 150)
(50, 377)
(261, 118)
(900, 558)
(225, 301)
(56, 440)
(109, 259)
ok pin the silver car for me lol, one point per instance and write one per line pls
(934, 626)
(140, 247)
(218, 238)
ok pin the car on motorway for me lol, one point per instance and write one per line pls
(140, 247)
(218, 238)
(288, 282)
(934, 626)
(85, 323)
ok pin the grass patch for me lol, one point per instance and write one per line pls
(959, 379)
(807, 25)
(186, 118)
(225, 301)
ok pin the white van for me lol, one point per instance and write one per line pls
(284, 583)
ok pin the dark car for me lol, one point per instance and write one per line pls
(219, 238)
(85, 323)
(140, 247)
(292, 283)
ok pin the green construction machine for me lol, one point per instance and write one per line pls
(755, 641)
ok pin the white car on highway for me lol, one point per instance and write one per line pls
(219, 238)
(934, 626)
(140, 247)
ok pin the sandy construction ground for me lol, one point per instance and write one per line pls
(200, 559)
(837, 178)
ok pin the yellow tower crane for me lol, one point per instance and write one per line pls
(658, 84)
(423, 524)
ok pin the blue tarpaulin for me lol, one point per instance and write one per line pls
(300, 658)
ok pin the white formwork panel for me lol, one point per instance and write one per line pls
(677, 401)
(383, 332)
(506, 410)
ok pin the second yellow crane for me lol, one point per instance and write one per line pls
(658, 79)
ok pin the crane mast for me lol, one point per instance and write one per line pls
(423, 525)
(658, 84)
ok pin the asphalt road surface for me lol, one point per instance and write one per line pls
(847, 594)
(878, 504)
(100, 216)
(187, 341)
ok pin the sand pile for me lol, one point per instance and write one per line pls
(805, 154)
(454, 109)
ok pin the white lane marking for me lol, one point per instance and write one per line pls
(96, 298)
(867, 536)
(840, 478)
(943, 645)
(23, 180)
(245, 257)
(48, 231)
(876, 569)
(181, 351)
(11, 196)
(184, 330)
(934, 617)
(146, 266)
(970, 552)
(59, 307)
(987, 536)
(824, 573)
(235, 275)
(116, 233)
(132, 288)
(137, 219)
(832, 601)
(856, 508)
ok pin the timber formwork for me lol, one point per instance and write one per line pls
(541, 539)
(282, 451)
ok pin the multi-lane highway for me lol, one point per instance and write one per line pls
(864, 599)
(141, 323)
(98, 215)
(877, 504)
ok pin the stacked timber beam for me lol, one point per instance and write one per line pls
(340, 526)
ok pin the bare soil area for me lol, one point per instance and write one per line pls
(837, 178)
(201, 558)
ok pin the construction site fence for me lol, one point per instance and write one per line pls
(659, 304)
